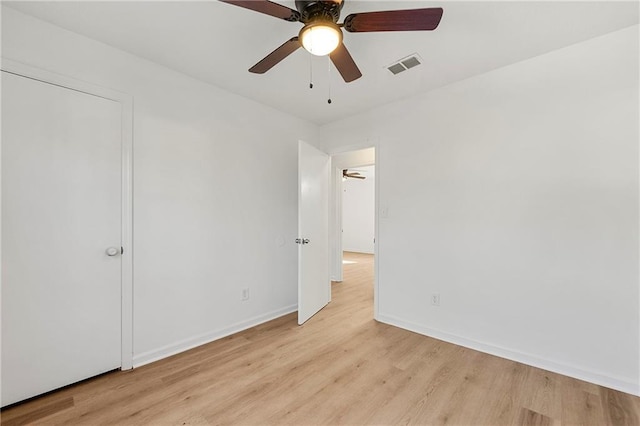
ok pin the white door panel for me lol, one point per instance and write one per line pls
(314, 285)
(61, 209)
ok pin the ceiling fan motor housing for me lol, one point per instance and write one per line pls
(319, 10)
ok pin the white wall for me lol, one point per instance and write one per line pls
(514, 195)
(358, 208)
(215, 181)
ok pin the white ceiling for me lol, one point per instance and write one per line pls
(217, 43)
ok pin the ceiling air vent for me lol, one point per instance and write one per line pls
(405, 63)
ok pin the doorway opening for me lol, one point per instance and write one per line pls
(353, 227)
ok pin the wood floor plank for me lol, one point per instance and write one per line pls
(544, 394)
(620, 408)
(531, 418)
(508, 389)
(341, 367)
(423, 378)
(44, 410)
(581, 403)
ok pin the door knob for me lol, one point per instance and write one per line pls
(306, 241)
(112, 251)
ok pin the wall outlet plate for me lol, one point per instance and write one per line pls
(245, 294)
(435, 299)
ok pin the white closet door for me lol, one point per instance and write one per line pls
(61, 212)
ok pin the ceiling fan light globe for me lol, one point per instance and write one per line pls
(320, 38)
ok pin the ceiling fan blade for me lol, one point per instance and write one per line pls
(355, 175)
(269, 61)
(394, 20)
(345, 64)
(268, 8)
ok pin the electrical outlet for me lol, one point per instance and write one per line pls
(245, 294)
(435, 299)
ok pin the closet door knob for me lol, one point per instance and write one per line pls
(112, 251)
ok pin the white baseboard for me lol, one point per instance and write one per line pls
(192, 342)
(616, 383)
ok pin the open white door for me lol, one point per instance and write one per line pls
(314, 285)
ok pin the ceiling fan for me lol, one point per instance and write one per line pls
(322, 34)
(354, 175)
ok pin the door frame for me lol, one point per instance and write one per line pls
(126, 102)
(335, 228)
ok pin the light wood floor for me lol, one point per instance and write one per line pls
(339, 368)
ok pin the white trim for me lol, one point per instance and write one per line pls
(638, 207)
(202, 339)
(376, 235)
(337, 193)
(126, 102)
(127, 233)
(360, 146)
(598, 378)
(56, 79)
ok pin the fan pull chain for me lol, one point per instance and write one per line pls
(329, 75)
(310, 72)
